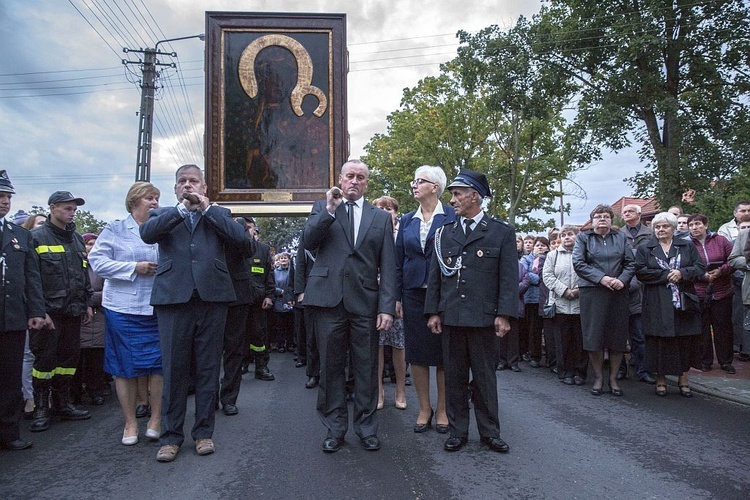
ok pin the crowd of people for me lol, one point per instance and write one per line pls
(162, 299)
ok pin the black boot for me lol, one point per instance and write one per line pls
(63, 408)
(41, 410)
(261, 367)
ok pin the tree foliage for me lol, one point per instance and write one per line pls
(674, 74)
(282, 233)
(461, 118)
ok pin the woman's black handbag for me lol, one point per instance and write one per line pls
(689, 302)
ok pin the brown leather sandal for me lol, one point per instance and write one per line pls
(685, 391)
(661, 390)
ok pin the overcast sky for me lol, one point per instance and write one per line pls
(69, 107)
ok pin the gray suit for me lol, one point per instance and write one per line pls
(348, 286)
(191, 293)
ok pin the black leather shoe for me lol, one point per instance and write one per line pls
(371, 443)
(264, 374)
(454, 443)
(535, 364)
(578, 380)
(142, 411)
(230, 410)
(331, 445)
(621, 374)
(728, 368)
(515, 368)
(501, 366)
(568, 381)
(496, 444)
(312, 383)
(300, 364)
(16, 445)
(97, 400)
(646, 378)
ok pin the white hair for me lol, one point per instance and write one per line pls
(667, 217)
(433, 174)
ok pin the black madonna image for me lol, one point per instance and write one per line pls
(278, 137)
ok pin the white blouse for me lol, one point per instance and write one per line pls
(114, 257)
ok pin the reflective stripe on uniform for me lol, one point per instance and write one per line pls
(257, 270)
(50, 249)
(48, 375)
(257, 348)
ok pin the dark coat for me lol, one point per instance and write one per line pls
(347, 271)
(261, 274)
(191, 259)
(595, 257)
(487, 284)
(22, 284)
(61, 255)
(660, 318)
(239, 263)
(92, 333)
(412, 263)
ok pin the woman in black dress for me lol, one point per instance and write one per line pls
(667, 267)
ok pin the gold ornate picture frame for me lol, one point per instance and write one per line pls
(276, 132)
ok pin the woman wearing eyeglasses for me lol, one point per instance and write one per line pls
(414, 250)
(603, 260)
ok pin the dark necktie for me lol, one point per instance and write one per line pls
(468, 223)
(350, 211)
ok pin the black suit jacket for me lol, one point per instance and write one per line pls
(348, 271)
(486, 286)
(191, 260)
(22, 284)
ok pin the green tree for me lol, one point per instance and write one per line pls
(87, 223)
(454, 120)
(282, 233)
(438, 123)
(672, 74)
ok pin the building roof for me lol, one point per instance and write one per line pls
(649, 206)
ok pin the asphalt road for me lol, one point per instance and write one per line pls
(564, 443)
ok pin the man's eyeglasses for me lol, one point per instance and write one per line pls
(601, 216)
(418, 182)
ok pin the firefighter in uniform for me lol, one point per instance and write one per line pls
(263, 285)
(61, 255)
(472, 290)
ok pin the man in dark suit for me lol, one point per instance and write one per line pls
(191, 294)
(353, 242)
(239, 262)
(472, 290)
(21, 306)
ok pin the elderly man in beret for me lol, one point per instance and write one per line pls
(472, 290)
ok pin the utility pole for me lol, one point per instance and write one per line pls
(149, 66)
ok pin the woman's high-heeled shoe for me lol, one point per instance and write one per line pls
(401, 405)
(419, 428)
(381, 398)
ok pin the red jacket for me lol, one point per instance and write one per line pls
(714, 250)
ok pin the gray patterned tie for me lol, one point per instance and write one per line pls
(350, 211)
